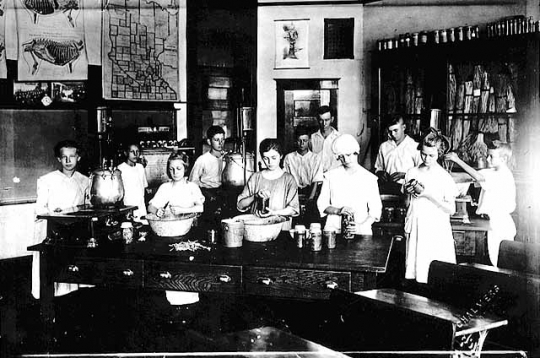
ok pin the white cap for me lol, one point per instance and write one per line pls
(345, 144)
(126, 225)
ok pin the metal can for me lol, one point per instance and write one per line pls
(299, 235)
(315, 240)
(211, 236)
(329, 238)
(346, 220)
(127, 232)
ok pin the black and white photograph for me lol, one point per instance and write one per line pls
(270, 178)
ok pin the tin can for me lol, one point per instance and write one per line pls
(451, 35)
(127, 232)
(299, 235)
(444, 36)
(329, 238)
(346, 220)
(211, 236)
(315, 240)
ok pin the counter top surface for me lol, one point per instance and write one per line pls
(476, 224)
(363, 253)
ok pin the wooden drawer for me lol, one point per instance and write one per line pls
(284, 282)
(101, 272)
(185, 277)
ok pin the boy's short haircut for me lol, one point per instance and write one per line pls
(324, 109)
(269, 144)
(213, 130)
(68, 143)
(302, 130)
(393, 120)
(504, 149)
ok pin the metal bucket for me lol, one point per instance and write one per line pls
(233, 232)
(233, 173)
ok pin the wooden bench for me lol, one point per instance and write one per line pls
(391, 320)
(519, 298)
(519, 256)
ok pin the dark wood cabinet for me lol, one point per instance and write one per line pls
(473, 91)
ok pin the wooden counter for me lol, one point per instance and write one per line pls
(276, 269)
(470, 239)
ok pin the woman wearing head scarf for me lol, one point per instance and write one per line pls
(349, 189)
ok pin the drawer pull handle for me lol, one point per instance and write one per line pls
(128, 273)
(165, 275)
(265, 281)
(73, 268)
(331, 284)
(225, 278)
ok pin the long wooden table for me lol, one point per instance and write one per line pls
(275, 269)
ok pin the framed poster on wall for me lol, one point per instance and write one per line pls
(292, 50)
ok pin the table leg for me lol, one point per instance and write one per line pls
(46, 302)
(469, 345)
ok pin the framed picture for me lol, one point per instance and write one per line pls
(292, 49)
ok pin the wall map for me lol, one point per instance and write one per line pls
(140, 50)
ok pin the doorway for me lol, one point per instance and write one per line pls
(297, 103)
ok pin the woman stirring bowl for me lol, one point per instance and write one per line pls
(272, 185)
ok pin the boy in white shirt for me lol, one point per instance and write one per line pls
(206, 173)
(56, 191)
(396, 156)
(498, 194)
(306, 168)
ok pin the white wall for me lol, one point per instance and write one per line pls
(16, 229)
(350, 104)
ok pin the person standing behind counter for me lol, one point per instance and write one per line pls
(396, 155)
(206, 173)
(498, 195)
(349, 189)
(321, 141)
(56, 191)
(305, 167)
(432, 194)
(272, 184)
(134, 180)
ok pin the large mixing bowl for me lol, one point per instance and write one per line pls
(171, 225)
(258, 229)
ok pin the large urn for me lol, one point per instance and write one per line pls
(235, 166)
(107, 187)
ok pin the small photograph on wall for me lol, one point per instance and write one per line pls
(32, 93)
(292, 43)
(69, 92)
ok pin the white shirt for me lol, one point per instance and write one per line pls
(498, 194)
(323, 147)
(184, 194)
(134, 181)
(56, 190)
(306, 169)
(207, 170)
(400, 158)
(358, 190)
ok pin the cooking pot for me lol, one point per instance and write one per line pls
(107, 187)
(233, 173)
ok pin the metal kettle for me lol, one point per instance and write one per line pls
(107, 187)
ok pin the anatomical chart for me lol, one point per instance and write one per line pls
(140, 50)
(51, 40)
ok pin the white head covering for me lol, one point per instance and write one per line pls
(345, 144)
